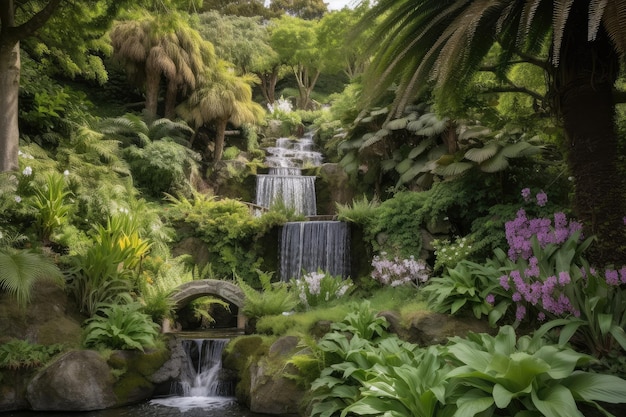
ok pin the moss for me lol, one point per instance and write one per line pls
(132, 387)
(150, 362)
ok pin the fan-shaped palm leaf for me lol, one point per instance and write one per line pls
(21, 270)
(482, 154)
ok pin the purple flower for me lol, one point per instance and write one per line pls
(612, 277)
(542, 199)
(541, 316)
(520, 313)
(526, 196)
(516, 296)
(490, 298)
(564, 278)
(504, 282)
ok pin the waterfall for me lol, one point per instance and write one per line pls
(200, 376)
(200, 385)
(310, 246)
(284, 183)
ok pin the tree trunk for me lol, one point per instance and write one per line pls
(171, 95)
(588, 115)
(153, 81)
(220, 129)
(9, 91)
(584, 82)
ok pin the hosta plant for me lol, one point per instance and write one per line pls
(523, 376)
(121, 327)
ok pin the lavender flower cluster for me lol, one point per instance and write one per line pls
(521, 230)
(316, 287)
(397, 271)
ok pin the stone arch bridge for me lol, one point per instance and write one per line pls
(228, 291)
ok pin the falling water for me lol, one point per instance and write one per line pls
(200, 385)
(310, 246)
(284, 184)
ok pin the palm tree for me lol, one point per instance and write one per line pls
(442, 44)
(224, 98)
(162, 46)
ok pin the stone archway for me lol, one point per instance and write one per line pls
(228, 291)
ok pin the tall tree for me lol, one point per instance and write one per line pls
(223, 98)
(244, 41)
(162, 46)
(19, 21)
(304, 9)
(446, 41)
(295, 41)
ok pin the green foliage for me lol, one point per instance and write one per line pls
(157, 280)
(121, 327)
(104, 271)
(466, 287)
(231, 153)
(20, 270)
(273, 299)
(505, 373)
(50, 203)
(228, 228)
(482, 375)
(162, 166)
(19, 354)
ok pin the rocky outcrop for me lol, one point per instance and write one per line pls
(426, 328)
(78, 381)
(271, 390)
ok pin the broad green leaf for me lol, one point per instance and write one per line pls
(619, 335)
(473, 402)
(482, 154)
(597, 387)
(555, 401)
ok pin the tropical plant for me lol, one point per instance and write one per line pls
(447, 42)
(121, 326)
(449, 253)
(51, 205)
(152, 47)
(221, 99)
(273, 299)
(104, 271)
(21, 270)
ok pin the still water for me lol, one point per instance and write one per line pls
(165, 407)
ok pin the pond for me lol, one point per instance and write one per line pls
(163, 407)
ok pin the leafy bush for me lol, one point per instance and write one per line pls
(162, 166)
(482, 375)
(105, 269)
(16, 354)
(121, 327)
(228, 228)
(273, 299)
(524, 375)
(468, 286)
(50, 204)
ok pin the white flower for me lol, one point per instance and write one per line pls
(18, 199)
(66, 172)
(28, 171)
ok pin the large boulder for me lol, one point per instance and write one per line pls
(271, 391)
(77, 381)
(428, 328)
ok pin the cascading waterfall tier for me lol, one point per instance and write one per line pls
(200, 376)
(284, 184)
(309, 246)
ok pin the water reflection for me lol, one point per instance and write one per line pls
(162, 407)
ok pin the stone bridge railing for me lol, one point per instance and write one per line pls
(228, 291)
